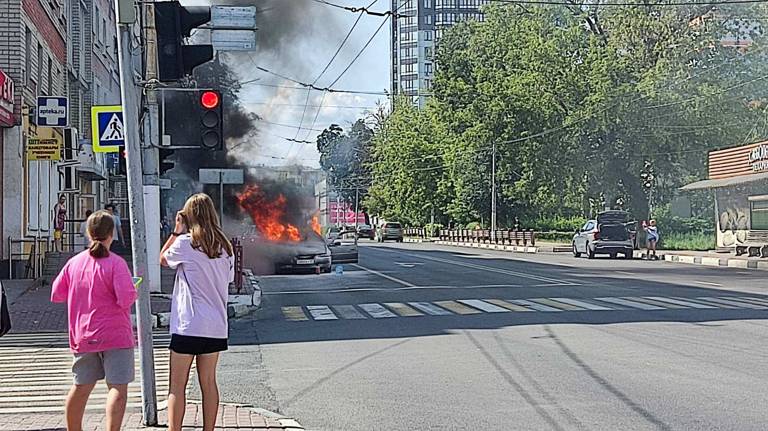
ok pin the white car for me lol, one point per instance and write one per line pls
(608, 234)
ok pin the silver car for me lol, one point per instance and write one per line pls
(608, 234)
(389, 231)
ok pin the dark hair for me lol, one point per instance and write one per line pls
(88, 213)
(108, 206)
(100, 226)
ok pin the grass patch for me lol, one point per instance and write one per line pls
(688, 241)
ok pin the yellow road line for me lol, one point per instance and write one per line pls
(507, 305)
(294, 314)
(457, 308)
(402, 309)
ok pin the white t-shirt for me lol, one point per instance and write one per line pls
(199, 304)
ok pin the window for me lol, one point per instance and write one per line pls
(28, 55)
(428, 4)
(428, 20)
(50, 76)
(96, 21)
(428, 52)
(103, 35)
(40, 66)
(759, 215)
(428, 68)
(428, 35)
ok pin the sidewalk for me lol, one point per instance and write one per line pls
(231, 417)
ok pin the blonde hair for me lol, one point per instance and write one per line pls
(203, 224)
(100, 227)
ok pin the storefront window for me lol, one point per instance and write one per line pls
(759, 215)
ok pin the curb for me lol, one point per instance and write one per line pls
(497, 247)
(419, 240)
(711, 261)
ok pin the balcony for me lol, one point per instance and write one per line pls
(91, 165)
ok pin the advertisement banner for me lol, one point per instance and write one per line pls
(6, 100)
(43, 149)
(344, 214)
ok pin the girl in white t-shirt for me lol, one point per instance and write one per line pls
(202, 257)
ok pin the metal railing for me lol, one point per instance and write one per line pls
(31, 251)
(486, 236)
(237, 247)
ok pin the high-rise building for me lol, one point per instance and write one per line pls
(415, 35)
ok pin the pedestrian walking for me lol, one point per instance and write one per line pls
(118, 231)
(84, 229)
(59, 218)
(96, 285)
(652, 237)
(203, 258)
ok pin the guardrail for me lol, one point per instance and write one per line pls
(523, 237)
(415, 232)
(31, 251)
(237, 248)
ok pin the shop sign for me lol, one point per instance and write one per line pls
(6, 100)
(44, 149)
(758, 158)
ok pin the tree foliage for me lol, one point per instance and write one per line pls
(344, 157)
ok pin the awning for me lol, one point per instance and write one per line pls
(725, 182)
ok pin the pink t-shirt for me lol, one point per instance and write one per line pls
(99, 294)
(199, 304)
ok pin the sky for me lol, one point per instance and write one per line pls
(301, 54)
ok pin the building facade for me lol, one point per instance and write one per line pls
(414, 37)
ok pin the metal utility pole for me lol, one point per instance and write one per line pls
(126, 18)
(493, 192)
(357, 200)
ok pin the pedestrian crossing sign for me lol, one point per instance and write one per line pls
(107, 128)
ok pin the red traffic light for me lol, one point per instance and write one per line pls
(209, 99)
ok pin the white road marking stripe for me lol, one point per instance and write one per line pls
(394, 289)
(708, 283)
(430, 308)
(348, 312)
(583, 304)
(632, 304)
(483, 306)
(321, 312)
(388, 277)
(752, 299)
(377, 311)
(680, 302)
(734, 302)
(534, 305)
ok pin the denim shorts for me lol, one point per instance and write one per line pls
(116, 366)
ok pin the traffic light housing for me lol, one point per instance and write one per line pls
(166, 164)
(173, 23)
(211, 120)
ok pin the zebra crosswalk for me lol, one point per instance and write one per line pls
(384, 310)
(36, 374)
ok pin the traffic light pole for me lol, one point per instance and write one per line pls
(130, 95)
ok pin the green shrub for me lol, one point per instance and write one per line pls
(669, 224)
(433, 229)
(473, 225)
(557, 223)
(687, 241)
(558, 237)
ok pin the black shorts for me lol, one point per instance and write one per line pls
(189, 345)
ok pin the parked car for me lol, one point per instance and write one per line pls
(366, 231)
(344, 248)
(610, 233)
(332, 234)
(390, 231)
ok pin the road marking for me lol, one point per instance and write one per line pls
(402, 309)
(632, 274)
(582, 304)
(408, 264)
(556, 304)
(735, 302)
(388, 277)
(708, 283)
(430, 308)
(632, 304)
(716, 303)
(377, 311)
(483, 306)
(681, 302)
(656, 303)
(493, 269)
(321, 312)
(535, 306)
(394, 289)
(457, 308)
(761, 301)
(348, 312)
(294, 314)
(507, 305)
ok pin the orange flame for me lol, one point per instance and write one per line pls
(268, 215)
(316, 225)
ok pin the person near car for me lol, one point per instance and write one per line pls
(652, 235)
(97, 287)
(118, 231)
(59, 219)
(203, 258)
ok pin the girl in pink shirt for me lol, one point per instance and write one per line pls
(99, 292)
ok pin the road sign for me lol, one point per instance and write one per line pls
(233, 40)
(221, 176)
(52, 111)
(108, 131)
(43, 149)
(233, 17)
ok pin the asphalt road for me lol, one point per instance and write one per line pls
(426, 337)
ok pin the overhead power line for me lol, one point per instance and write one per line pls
(660, 4)
(361, 10)
(305, 85)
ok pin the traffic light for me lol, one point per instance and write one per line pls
(211, 124)
(166, 164)
(122, 167)
(173, 23)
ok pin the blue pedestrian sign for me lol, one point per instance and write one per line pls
(52, 111)
(108, 128)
